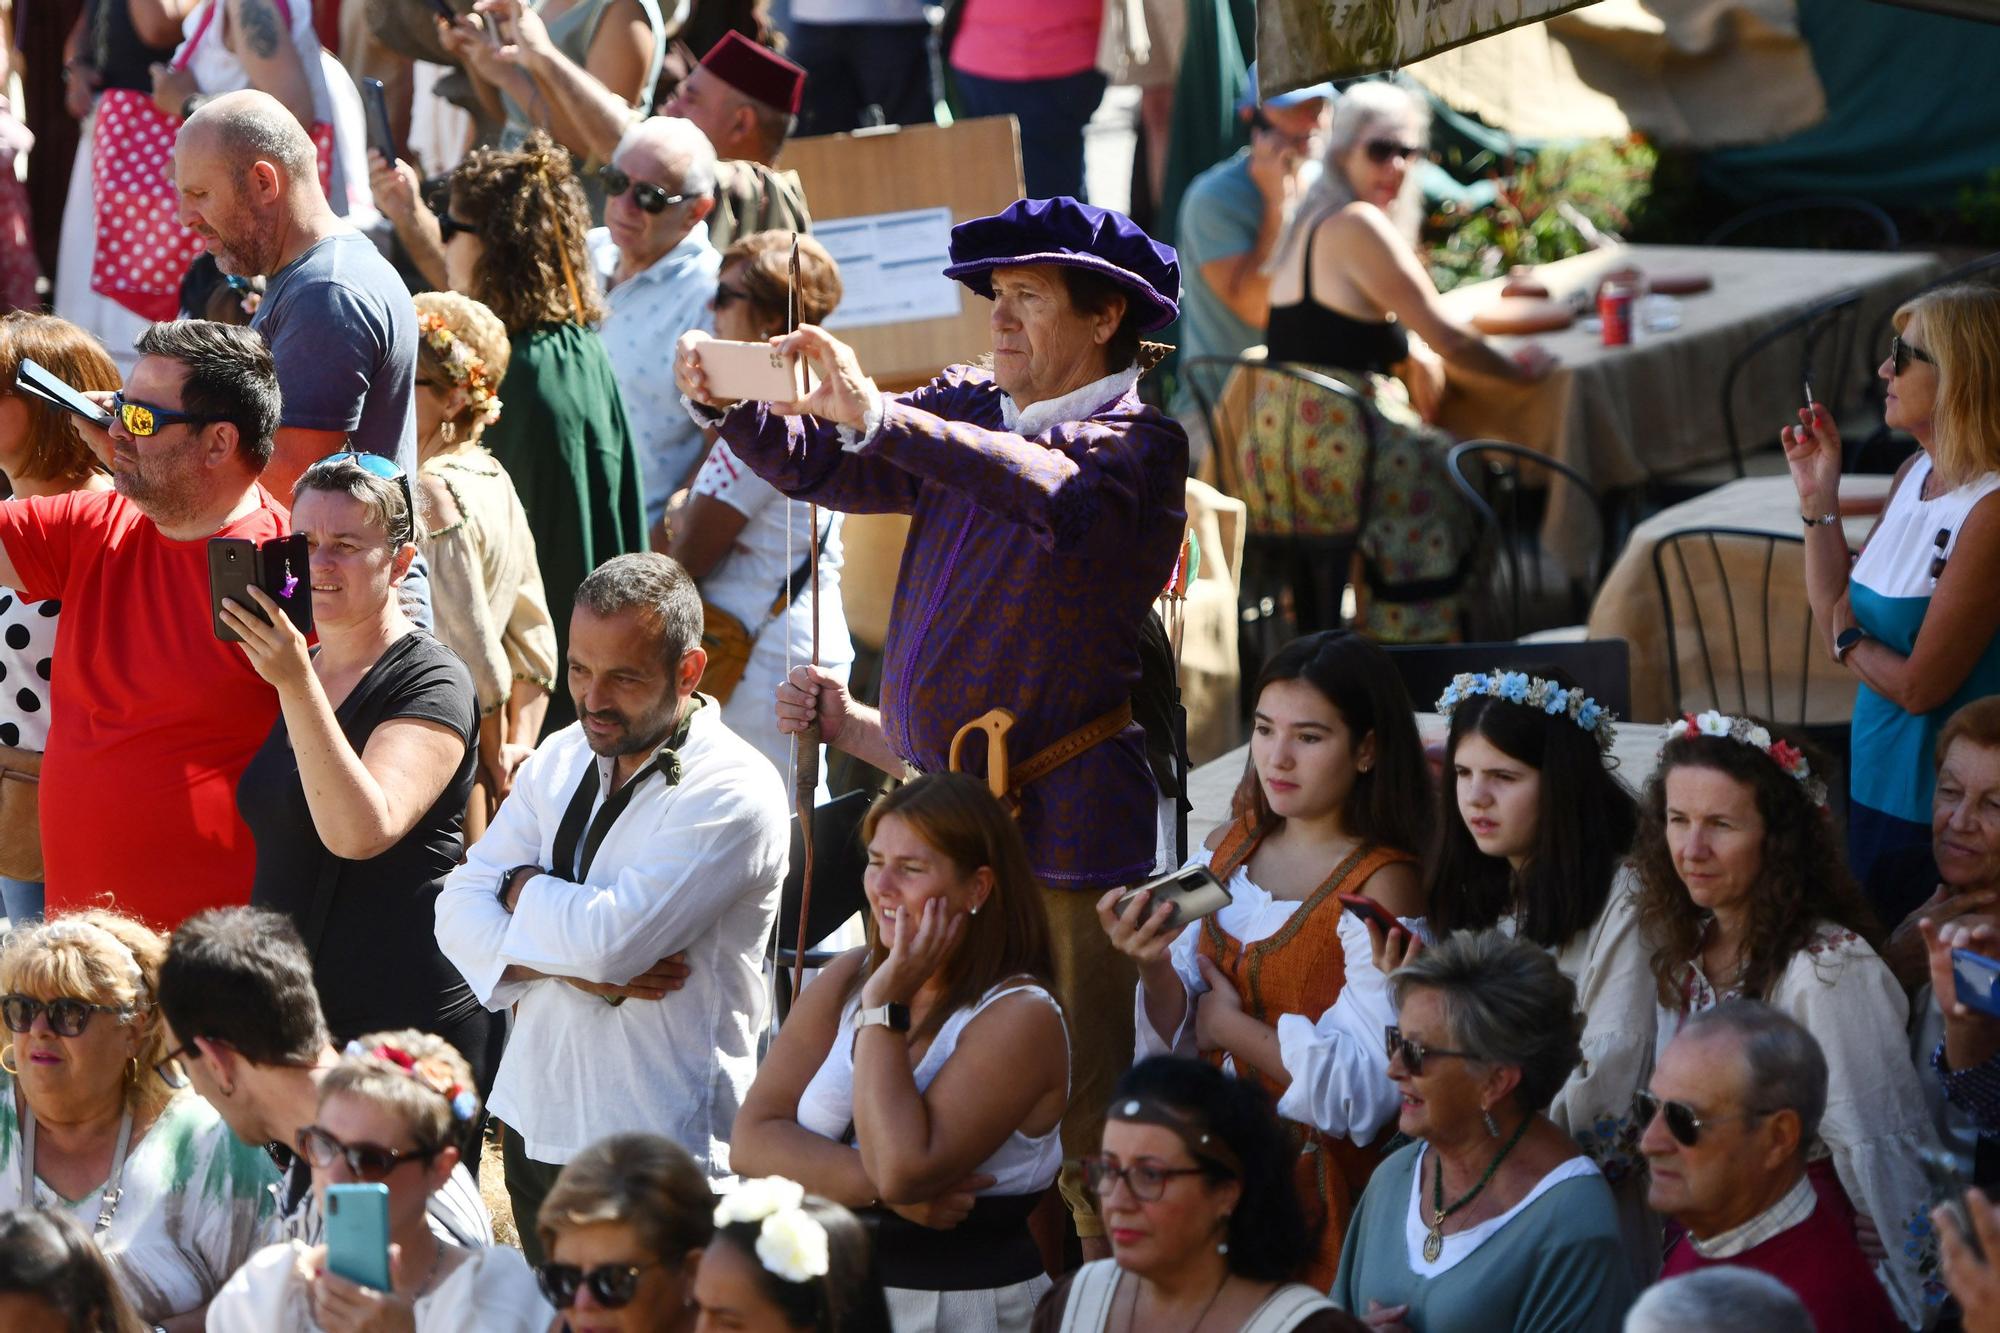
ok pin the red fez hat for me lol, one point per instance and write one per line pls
(757, 72)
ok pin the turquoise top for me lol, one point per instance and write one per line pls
(1554, 1263)
(1890, 768)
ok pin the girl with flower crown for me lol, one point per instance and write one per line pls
(488, 598)
(1283, 985)
(1745, 893)
(784, 1261)
(392, 1112)
(1533, 828)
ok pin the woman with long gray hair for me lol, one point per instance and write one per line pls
(1350, 298)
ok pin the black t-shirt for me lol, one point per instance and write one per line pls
(373, 935)
(122, 58)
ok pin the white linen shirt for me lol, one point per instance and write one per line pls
(694, 868)
(647, 314)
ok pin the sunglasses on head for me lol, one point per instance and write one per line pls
(1682, 1122)
(369, 1163)
(1414, 1052)
(68, 1017)
(1382, 151)
(377, 466)
(652, 198)
(613, 1285)
(1901, 354)
(144, 419)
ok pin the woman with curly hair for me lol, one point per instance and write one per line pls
(1745, 894)
(491, 609)
(513, 233)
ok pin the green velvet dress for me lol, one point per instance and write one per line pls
(563, 437)
(1555, 1264)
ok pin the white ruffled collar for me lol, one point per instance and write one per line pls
(1036, 418)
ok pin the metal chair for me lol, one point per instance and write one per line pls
(1509, 506)
(1824, 221)
(839, 860)
(1717, 589)
(1288, 575)
(1603, 667)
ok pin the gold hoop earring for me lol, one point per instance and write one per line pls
(132, 1071)
(5, 1051)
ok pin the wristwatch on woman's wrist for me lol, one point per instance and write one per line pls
(1843, 643)
(895, 1017)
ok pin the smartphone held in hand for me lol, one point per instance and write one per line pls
(236, 564)
(357, 1234)
(752, 370)
(1194, 894)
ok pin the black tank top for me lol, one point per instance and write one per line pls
(1311, 334)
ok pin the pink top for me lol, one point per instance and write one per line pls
(1045, 39)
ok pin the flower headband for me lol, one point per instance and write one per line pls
(462, 364)
(791, 1243)
(431, 1073)
(1517, 687)
(1742, 730)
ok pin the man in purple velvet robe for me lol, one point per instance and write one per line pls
(1046, 506)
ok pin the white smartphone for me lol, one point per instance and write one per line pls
(737, 370)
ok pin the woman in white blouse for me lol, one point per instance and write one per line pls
(1284, 983)
(390, 1113)
(922, 1079)
(1745, 893)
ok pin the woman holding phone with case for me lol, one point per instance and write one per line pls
(357, 798)
(1533, 829)
(1284, 983)
(40, 455)
(391, 1113)
(922, 1079)
(1744, 892)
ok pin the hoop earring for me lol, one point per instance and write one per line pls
(132, 1071)
(5, 1051)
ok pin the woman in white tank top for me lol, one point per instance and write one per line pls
(921, 1080)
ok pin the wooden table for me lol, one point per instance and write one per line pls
(1634, 754)
(1628, 605)
(1622, 415)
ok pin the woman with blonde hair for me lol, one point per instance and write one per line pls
(40, 455)
(624, 1228)
(491, 609)
(99, 1125)
(513, 239)
(1350, 297)
(921, 1080)
(1914, 619)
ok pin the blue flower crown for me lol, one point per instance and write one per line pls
(1517, 687)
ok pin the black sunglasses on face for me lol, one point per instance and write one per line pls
(1414, 1052)
(652, 198)
(613, 1285)
(1382, 151)
(68, 1017)
(169, 1066)
(1901, 354)
(449, 226)
(1147, 1182)
(369, 1163)
(1682, 1122)
(726, 296)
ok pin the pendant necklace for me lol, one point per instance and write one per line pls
(1434, 1240)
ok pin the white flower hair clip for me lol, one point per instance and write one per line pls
(1723, 726)
(791, 1243)
(1518, 687)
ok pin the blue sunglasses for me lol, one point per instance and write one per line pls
(377, 466)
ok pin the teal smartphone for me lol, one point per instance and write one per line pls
(357, 1234)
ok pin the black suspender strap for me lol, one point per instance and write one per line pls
(579, 827)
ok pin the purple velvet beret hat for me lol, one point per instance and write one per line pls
(1064, 231)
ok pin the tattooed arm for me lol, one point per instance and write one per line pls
(258, 35)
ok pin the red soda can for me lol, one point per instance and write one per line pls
(1614, 310)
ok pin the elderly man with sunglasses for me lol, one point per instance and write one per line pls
(658, 269)
(1734, 1109)
(154, 718)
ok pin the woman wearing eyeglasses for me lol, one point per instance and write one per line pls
(1743, 894)
(40, 455)
(94, 1128)
(357, 797)
(1195, 1185)
(1350, 297)
(390, 1113)
(624, 1227)
(750, 548)
(514, 241)
(1494, 1219)
(1914, 619)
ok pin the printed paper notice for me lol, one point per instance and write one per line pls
(891, 267)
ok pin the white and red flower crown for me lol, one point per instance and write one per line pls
(1723, 726)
